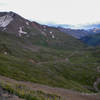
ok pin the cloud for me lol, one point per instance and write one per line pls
(58, 11)
(3, 4)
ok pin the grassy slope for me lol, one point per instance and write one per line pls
(22, 62)
(92, 40)
(61, 40)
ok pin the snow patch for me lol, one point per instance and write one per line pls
(27, 23)
(5, 20)
(21, 31)
(53, 36)
(4, 29)
(51, 32)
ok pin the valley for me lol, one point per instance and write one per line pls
(46, 61)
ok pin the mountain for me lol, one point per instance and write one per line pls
(79, 33)
(92, 40)
(91, 26)
(13, 23)
(31, 53)
(79, 26)
(90, 37)
(60, 25)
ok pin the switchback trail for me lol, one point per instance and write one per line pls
(59, 60)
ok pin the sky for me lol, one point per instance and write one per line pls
(74, 12)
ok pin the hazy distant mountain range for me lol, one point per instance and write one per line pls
(89, 34)
(86, 26)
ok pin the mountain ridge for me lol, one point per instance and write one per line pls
(27, 29)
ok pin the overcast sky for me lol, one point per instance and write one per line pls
(57, 11)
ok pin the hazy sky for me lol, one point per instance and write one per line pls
(57, 11)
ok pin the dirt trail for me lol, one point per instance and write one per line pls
(60, 60)
(66, 94)
(55, 61)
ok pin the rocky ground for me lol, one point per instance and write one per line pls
(4, 95)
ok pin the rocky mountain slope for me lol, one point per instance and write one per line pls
(12, 23)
